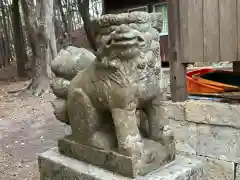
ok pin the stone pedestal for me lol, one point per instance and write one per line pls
(116, 162)
(54, 166)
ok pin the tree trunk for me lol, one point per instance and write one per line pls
(5, 30)
(50, 28)
(19, 44)
(58, 27)
(63, 16)
(83, 7)
(40, 36)
(10, 28)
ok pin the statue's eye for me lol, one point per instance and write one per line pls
(112, 28)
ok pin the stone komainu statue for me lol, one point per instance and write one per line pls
(102, 101)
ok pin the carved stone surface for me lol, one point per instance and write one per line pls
(55, 166)
(70, 61)
(101, 102)
(114, 161)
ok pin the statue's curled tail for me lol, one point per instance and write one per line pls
(68, 63)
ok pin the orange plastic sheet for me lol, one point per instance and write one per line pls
(198, 85)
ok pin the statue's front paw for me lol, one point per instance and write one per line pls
(167, 131)
(168, 135)
(103, 140)
(132, 147)
(164, 136)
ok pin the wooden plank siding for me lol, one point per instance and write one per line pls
(209, 30)
(183, 30)
(195, 30)
(228, 30)
(238, 31)
(236, 64)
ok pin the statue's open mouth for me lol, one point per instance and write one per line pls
(125, 40)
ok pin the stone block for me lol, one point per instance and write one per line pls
(206, 128)
(113, 161)
(214, 169)
(215, 113)
(218, 142)
(55, 166)
(217, 169)
(166, 79)
(174, 110)
(185, 134)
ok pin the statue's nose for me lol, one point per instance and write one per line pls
(123, 28)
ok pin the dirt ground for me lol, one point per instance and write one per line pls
(27, 127)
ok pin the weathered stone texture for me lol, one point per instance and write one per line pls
(116, 162)
(54, 166)
(71, 60)
(217, 170)
(206, 140)
(218, 142)
(214, 113)
(166, 79)
(185, 134)
(206, 128)
(175, 111)
(205, 112)
(214, 169)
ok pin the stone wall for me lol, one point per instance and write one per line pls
(210, 131)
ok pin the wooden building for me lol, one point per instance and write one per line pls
(201, 31)
(197, 31)
(121, 6)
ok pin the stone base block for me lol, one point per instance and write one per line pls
(55, 166)
(156, 157)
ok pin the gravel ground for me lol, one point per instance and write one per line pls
(27, 127)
